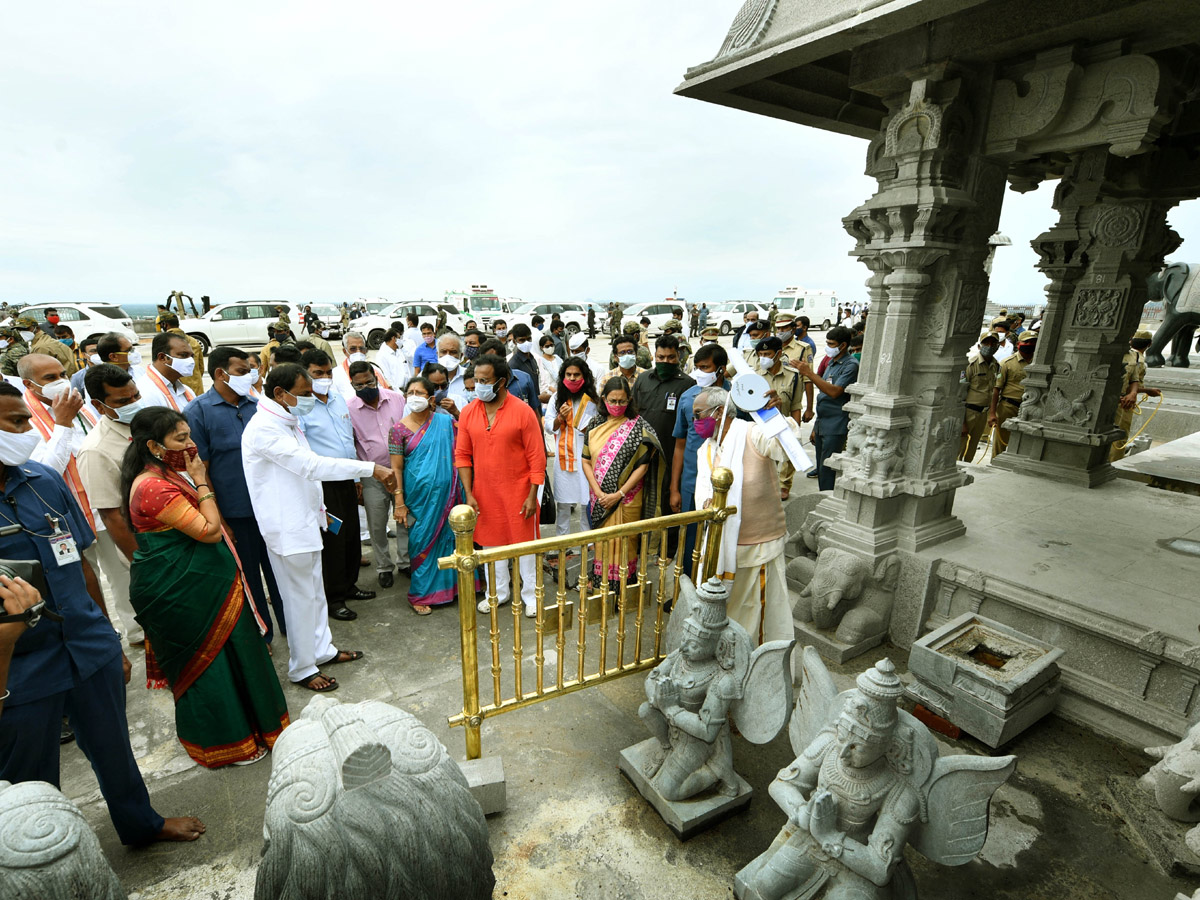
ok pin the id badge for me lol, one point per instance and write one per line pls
(63, 546)
(671, 401)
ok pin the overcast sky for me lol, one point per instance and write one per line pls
(327, 151)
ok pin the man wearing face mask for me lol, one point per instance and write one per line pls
(643, 361)
(70, 664)
(116, 350)
(1132, 384)
(161, 383)
(625, 360)
(500, 332)
(741, 330)
(195, 381)
(14, 344)
(501, 460)
(979, 378)
(373, 411)
(522, 356)
(426, 351)
(785, 395)
(284, 476)
(518, 384)
(746, 358)
(86, 358)
(391, 359)
(355, 347)
(656, 396)
(558, 334)
(1010, 388)
(578, 343)
(690, 433)
(48, 344)
(450, 354)
(833, 422)
(329, 433)
(218, 418)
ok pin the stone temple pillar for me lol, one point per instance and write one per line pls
(1111, 234)
(924, 237)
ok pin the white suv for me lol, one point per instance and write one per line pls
(572, 313)
(87, 319)
(375, 327)
(241, 324)
(731, 314)
(659, 313)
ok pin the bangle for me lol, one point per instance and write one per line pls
(202, 484)
(7, 694)
(209, 496)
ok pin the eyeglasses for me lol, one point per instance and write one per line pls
(369, 384)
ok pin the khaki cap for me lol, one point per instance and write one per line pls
(1026, 336)
(1143, 335)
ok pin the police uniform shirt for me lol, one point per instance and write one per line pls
(980, 377)
(1135, 369)
(50, 658)
(1011, 377)
(786, 385)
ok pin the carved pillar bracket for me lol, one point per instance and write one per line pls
(1112, 233)
(924, 238)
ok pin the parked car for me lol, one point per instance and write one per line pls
(730, 314)
(331, 320)
(86, 319)
(573, 314)
(243, 323)
(375, 327)
(659, 312)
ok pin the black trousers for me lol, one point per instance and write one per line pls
(341, 552)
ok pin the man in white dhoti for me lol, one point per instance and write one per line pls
(751, 554)
(284, 478)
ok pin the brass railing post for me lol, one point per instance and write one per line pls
(462, 523)
(722, 481)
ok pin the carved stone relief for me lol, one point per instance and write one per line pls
(749, 26)
(1097, 307)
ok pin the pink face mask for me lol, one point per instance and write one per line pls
(615, 410)
(705, 428)
(574, 385)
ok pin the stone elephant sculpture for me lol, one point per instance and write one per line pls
(1178, 287)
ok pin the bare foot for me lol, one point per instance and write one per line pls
(654, 762)
(181, 828)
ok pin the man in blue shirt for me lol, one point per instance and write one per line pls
(330, 433)
(426, 352)
(833, 422)
(802, 326)
(708, 370)
(71, 664)
(217, 419)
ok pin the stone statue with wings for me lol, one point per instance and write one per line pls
(866, 781)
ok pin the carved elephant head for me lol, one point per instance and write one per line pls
(1165, 284)
(836, 584)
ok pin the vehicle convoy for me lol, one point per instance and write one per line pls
(821, 307)
(659, 312)
(729, 314)
(374, 327)
(246, 322)
(573, 314)
(482, 304)
(86, 319)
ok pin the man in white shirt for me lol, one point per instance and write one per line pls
(62, 420)
(284, 478)
(161, 382)
(450, 355)
(392, 362)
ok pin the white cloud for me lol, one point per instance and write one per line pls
(328, 151)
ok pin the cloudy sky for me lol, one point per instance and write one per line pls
(315, 150)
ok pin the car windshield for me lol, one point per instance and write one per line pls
(526, 309)
(326, 310)
(111, 312)
(483, 304)
(376, 308)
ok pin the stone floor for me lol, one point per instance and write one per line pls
(574, 827)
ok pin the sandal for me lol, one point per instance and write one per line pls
(331, 683)
(345, 656)
(422, 610)
(262, 752)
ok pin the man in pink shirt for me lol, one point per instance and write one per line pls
(373, 412)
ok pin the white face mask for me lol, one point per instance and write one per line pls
(704, 379)
(134, 357)
(548, 351)
(185, 367)
(4, 344)
(126, 413)
(15, 449)
(357, 356)
(94, 359)
(831, 352)
(766, 362)
(525, 346)
(55, 389)
(417, 403)
(27, 336)
(322, 385)
(627, 361)
(241, 384)
(449, 362)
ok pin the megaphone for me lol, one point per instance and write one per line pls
(748, 391)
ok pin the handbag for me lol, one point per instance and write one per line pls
(549, 507)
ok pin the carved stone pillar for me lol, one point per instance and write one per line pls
(924, 236)
(1111, 234)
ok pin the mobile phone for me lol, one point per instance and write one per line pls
(335, 524)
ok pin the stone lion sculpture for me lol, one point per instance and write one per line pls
(364, 803)
(47, 849)
(1175, 781)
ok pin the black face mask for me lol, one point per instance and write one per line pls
(1026, 350)
(470, 352)
(1139, 345)
(367, 394)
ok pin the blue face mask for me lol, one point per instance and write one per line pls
(70, 342)
(304, 405)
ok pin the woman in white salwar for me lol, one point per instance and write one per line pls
(573, 405)
(549, 366)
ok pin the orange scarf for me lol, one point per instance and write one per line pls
(161, 384)
(44, 423)
(383, 382)
(566, 437)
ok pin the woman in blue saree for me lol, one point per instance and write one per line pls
(427, 488)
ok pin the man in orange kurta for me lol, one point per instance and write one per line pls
(501, 461)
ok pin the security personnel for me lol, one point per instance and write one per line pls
(1010, 387)
(14, 341)
(49, 345)
(980, 378)
(710, 334)
(786, 395)
(675, 327)
(196, 380)
(70, 663)
(1131, 385)
(281, 333)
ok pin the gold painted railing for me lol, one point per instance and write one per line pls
(593, 602)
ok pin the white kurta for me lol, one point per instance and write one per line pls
(570, 487)
(394, 366)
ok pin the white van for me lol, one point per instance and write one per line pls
(821, 307)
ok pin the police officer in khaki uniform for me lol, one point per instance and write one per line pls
(710, 334)
(1010, 387)
(196, 380)
(980, 378)
(786, 395)
(1131, 385)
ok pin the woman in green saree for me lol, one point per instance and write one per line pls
(186, 586)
